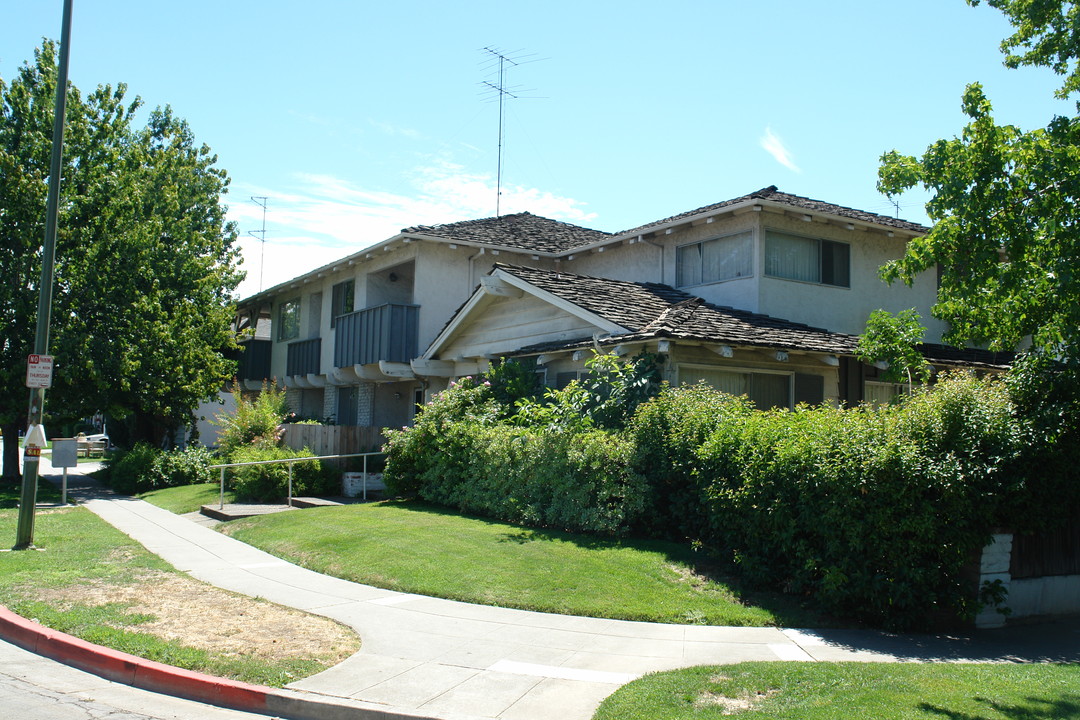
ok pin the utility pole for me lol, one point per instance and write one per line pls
(31, 456)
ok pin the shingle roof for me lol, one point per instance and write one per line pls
(968, 357)
(522, 231)
(652, 310)
(772, 194)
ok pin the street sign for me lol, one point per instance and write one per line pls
(39, 370)
(65, 453)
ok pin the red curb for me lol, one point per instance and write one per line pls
(127, 669)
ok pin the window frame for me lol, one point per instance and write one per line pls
(790, 374)
(821, 244)
(338, 295)
(700, 245)
(288, 328)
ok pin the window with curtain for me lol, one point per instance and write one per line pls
(794, 257)
(289, 319)
(766, 390)
(723, 258)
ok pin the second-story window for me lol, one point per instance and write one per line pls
(794, 257)
(289, 320)
(722, 258)
(343, 300)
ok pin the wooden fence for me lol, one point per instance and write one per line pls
(1045, 554)
(334, 439)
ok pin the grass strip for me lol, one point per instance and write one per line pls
(187, 498)
(82, 551)
(427, 550)
(841, 691)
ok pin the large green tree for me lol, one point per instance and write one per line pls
(1005, 205)
(146, 262)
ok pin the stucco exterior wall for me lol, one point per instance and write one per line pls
(844, 309)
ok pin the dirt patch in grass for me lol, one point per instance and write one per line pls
(201, 616)
(732, 705)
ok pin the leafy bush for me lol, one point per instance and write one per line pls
(459, 455)
(255, 421)
(270, 483)
(606, 398)
(143, 468)
(190, 466)
(128, 472)
(874, 513)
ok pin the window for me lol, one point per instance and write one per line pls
(723, 258)
(289, 319)
(794, 257)
(765, 389)
(342, 300)
(883, 393)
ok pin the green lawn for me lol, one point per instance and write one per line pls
(431, 551)
(10, 493)
(187, 498)
(843, 691)
(80, 551)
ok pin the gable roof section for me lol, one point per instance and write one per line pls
(774, 196)
(521, 231)
(651, 310)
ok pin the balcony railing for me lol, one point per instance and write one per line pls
(385, 332)
(304, 357)
(253, 360)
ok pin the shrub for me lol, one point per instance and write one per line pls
(458, 454)
(270, 483)
(874, 513)
(190, 466)
(255, 421)
(128, 472)
(144, 468)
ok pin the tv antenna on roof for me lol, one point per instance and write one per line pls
(262, 201)
(498, 63)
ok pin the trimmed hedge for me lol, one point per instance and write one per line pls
(873, 514)
(458, 455)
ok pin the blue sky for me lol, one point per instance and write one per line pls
(357, 119)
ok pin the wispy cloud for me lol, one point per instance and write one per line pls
(322, 217)
(772, 144)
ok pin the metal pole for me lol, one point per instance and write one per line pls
(221, 496)
(365, 477)
(290, 482)
(24, 538)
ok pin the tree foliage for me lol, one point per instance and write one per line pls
(1004, 204)
(1047, 34)
(894, 339)
(145, 259)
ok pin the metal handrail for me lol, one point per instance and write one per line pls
(291, 462)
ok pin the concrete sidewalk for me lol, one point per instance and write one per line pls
(426, 657)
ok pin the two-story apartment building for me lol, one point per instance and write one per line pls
(762, 294)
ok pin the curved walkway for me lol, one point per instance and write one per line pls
(426, 657)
